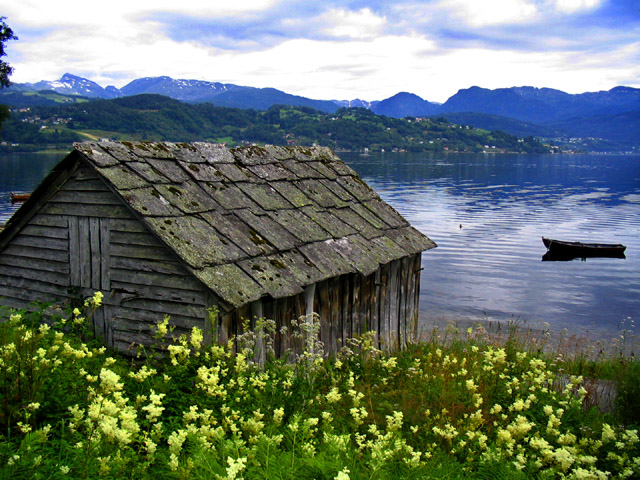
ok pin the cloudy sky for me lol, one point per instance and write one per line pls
(333, 49)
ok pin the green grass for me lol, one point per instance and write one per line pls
(450, 406)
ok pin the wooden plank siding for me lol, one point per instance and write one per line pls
(35, 267)
(84, 240)
(349, 305)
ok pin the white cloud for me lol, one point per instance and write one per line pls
(357, 25)
(572, 6)
(478, 13)
(38, 13)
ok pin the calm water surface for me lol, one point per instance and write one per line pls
(22, 173)
(487, 214)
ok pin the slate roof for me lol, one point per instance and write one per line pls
(256, 221)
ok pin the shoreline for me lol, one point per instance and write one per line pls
(536, 334)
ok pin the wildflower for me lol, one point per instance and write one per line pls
(358, 414)
(178, 353)
(143, 373)
(518, 405)
(95, 301)
(495, 409)
(150, 446)
(520, 427)
(64, 469)
(24, 427)
(235, 467)
(342, 475)
(564, 458)
(155, 408)
(196, 338)
(334, 395)
(448, 432)
(173, 462)
(394, 421)
(390, 363)
(175, 441)
(278, 414)
(504, 436)
(608, 433)
(109, 380)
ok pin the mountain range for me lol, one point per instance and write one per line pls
(611, 116)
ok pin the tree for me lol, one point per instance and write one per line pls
(5, 69)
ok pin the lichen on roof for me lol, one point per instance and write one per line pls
(256, 221)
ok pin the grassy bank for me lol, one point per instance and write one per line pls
(447, 407)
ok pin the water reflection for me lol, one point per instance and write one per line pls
(487, 214)
(567, 257)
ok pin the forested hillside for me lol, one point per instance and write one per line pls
(155, 117)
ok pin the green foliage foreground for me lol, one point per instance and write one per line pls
(70, 409)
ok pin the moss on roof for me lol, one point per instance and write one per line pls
(256, 221)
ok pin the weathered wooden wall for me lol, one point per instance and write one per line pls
(83, 240)
(349, 305)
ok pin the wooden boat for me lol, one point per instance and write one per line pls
(19, 197)
(583, 250)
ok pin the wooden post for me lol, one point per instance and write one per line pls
(309, 294)
(258, 316)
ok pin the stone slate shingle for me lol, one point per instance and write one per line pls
(256, 221)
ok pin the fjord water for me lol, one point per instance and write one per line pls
(487, 213)
(22, 172)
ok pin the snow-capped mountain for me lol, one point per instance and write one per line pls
(356, 103)
(70, 84)
(180, 89)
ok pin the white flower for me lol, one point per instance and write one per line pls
(342, 475)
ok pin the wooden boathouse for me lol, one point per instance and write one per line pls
(173, 229)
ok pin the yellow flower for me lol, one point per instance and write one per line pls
(163, 327)
(196, 338)
(235, 467)
(342, 475)
(608, 434)
(334, 395)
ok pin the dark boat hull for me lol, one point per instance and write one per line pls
(559, 248)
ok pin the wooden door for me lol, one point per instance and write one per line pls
(89, 266)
